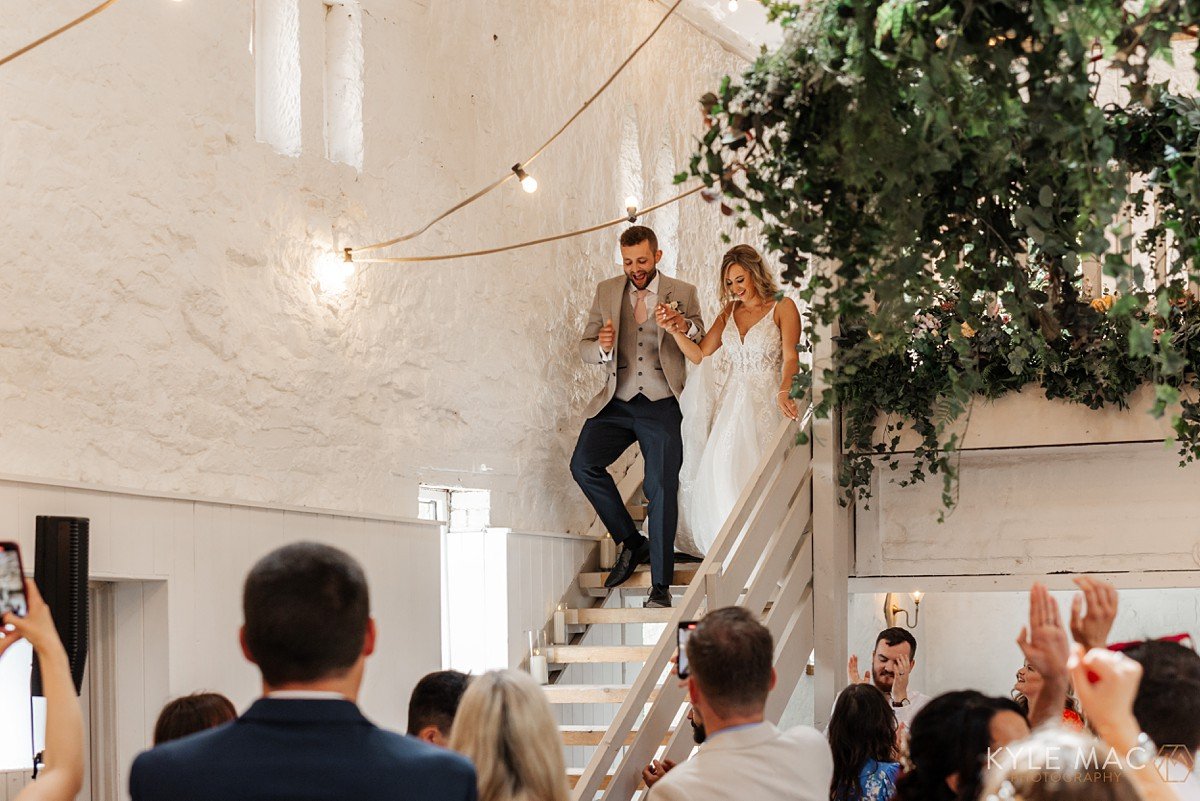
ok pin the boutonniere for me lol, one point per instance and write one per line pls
(674, 306)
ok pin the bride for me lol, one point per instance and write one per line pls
(760, 337)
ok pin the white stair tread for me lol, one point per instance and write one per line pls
(593, 617)
(592, 735)
(568, 654)
(589, 693)
(641, 577)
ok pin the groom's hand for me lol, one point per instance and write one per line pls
(671, 320)
(608, 336)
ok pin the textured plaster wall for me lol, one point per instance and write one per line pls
(160, 327)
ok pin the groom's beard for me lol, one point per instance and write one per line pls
(651, 274)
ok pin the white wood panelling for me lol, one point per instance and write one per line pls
(178, 567)
(541, 574)
(1037, 511)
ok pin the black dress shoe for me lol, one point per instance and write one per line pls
(627, 561)
(660, 597)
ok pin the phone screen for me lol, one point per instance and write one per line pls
(685, 630)
(12, 582)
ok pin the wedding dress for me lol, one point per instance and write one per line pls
(720, 456)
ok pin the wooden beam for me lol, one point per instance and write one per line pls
(1016, 582)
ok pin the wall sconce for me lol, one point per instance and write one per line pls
(891, 610)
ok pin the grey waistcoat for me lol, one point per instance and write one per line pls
(639, 371)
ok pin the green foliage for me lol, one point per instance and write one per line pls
(941, 159)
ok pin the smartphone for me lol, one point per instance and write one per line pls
(12, 581)
(681, 636)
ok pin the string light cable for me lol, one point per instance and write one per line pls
(632, 213)
(518, 171)
(78, 20)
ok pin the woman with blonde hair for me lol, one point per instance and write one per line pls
(504, 725)
(760, 338)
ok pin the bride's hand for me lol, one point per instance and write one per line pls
(787, 406)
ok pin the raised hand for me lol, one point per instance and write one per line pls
(852, 672)
(1090, 629)
(1106, 683)
(1045, 645)
(608, 336)
(37, 626)
(668, 319)
(900, 682)
(1044, 641)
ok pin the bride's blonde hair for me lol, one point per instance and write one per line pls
(752, 262)
(505, 726)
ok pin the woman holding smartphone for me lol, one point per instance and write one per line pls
(62, 778)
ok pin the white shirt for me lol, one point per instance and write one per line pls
(757, 763)
(906, 713)
(651, 302)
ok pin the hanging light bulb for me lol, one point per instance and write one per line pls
(528, 182)
(332, 272)
(733, 5)
(631, 206)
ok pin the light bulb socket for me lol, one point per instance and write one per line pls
(519, 172)
(347, 255)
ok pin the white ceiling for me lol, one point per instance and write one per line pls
(743, 31)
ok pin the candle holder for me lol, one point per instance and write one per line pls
(539, 666)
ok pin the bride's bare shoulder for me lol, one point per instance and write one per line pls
(786, 309)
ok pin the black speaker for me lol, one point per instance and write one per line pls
(60, 568)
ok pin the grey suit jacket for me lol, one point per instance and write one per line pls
(610, 294)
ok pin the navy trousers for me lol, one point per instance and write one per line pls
(654, 426)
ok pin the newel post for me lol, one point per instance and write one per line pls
(833, 543)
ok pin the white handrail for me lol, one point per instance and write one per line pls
(760, 552)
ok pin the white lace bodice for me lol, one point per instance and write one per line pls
(761, 352)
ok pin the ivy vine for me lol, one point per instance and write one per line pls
(935, 174)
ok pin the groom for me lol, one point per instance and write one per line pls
(645, 372)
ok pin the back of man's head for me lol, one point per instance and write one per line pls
(434, 703)
(895, 636)
(730, 655)
(306, 611)
(1168, 699)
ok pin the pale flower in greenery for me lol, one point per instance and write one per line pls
(1103, 303)
(968, 331)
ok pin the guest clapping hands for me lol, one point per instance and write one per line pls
(1046, 647)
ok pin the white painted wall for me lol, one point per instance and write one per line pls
(1035, 511)
(161, 328)
(178, 566)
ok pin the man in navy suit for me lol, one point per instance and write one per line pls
(308, 629)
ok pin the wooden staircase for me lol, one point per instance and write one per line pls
(762, 559)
